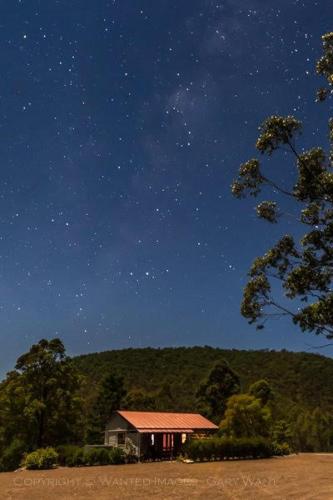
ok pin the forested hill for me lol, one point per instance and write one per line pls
(168, 378)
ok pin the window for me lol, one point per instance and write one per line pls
(184, 438)
(121, 438)
(152, 439)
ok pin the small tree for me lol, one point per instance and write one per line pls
(110, 397)
(246, 417)
(39, 400)
(221, 383)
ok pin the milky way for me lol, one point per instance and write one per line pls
(122, 124)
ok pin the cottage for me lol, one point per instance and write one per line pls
(154, 435)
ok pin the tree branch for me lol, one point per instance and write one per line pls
(293, 315)
(275, 186)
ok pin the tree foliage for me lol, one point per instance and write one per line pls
(110, 398)
(282, 433)
(39, 402)
(222, 382)
(262, 391)
(303, 268)
(246, 417)
(313, 430)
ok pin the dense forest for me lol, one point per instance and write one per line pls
(168, 378)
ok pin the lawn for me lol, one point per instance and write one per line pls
(303, 476)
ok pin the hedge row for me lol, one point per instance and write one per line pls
(67, 455)
(73, 456)
(226, 448)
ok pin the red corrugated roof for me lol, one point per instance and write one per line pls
(142, 420)
(168, 429)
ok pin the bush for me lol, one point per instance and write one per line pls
(78, 458)
(117, 456)
(43, 458)
(70, 455)
(281, 449)
(225, 448)
(97, 456)
(12, 456)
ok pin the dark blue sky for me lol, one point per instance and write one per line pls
(122, 124)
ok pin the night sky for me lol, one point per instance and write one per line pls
(122, 125)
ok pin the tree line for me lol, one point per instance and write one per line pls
(50, 399)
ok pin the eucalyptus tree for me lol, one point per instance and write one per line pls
(303, 266)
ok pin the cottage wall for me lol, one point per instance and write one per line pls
(118, 424)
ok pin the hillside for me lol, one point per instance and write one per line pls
(171, 376)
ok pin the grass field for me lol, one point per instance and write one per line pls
(306, 476)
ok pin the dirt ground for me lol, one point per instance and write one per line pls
(306, 476)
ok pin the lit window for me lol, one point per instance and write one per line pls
(184, 438)
(152, 439)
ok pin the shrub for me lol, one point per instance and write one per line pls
(97, 456)
(78, 458)
(131, 452)
(117, 456)
(70, 455)
(281, 449)
(103, 456)
(43, 458)
(12, 456)
(90, 456)
(224, 448)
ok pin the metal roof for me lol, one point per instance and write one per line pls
(147, 421)
(167, 429)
